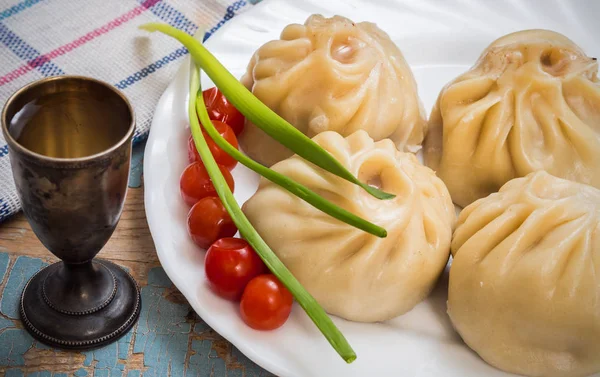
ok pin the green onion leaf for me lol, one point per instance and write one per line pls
(259, 113)
(306, 301)
(288, 184)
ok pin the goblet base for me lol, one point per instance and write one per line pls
(59, 328)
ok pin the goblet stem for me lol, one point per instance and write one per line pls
(79, 289)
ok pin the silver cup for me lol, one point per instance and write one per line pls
(73, 205)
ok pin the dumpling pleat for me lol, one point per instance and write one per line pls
(351, 273)
(531, 102)
(523, 289)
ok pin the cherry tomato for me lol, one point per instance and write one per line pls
(195, 183)
(266, 303)
(220, 156)
(193, 155)
(208, 221)
(230, 263)
(220, 109)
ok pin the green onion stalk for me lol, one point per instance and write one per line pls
(288, 184)
(306, 301)
(259, 113)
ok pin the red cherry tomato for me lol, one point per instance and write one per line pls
(266, 303)
(195, 183)
(220, 109)
(220, 156)
(230, 263)
(208, 221)
(193, 155)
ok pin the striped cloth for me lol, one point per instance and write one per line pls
(97, 38)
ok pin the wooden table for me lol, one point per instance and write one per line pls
(169, 338)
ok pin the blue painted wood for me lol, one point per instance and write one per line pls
(23, 269)
(137, 165)
(169, 337)
(162, 331)
(3, 265)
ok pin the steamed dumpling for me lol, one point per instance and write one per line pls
(531, 102)
(524, 287)
(331, 74)
(351, 273)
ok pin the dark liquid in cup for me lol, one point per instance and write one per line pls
(68, 124)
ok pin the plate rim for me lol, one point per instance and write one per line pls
(227, 332)
(248, 351)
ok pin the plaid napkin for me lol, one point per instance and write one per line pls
(97, 38)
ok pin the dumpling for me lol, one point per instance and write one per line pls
(351, 273)
(531, 102)
(332, 74)
(524, 289)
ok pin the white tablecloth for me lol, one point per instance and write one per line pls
(97, 38)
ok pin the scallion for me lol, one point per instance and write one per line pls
(306, 301)
(260, 114)
(288, 184)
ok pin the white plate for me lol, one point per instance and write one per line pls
(440, 40)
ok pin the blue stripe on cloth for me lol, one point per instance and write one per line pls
(139, 138)
(179, 52)
(228, 16)
(151, 68)
(17, 8)
(4, 210)
(25, 52)
(172, 16)
(4, 151)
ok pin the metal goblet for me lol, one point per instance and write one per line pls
(73, 206)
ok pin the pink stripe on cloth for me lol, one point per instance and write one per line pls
(43, 59)
(96, 33)
(15, 74)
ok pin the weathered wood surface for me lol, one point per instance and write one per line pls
(168, 340)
